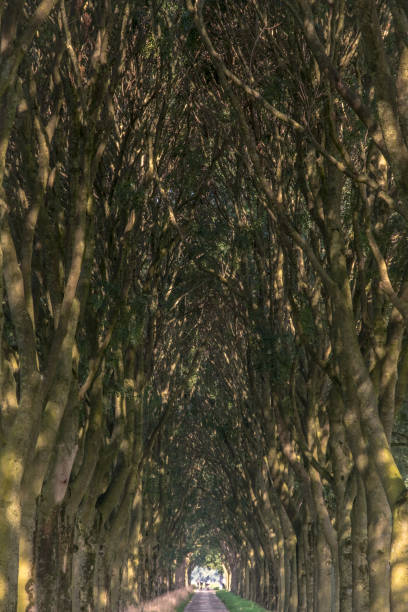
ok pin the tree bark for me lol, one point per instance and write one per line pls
(359, 548)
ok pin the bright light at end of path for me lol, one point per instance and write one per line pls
(205, 576)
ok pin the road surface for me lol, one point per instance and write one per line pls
(205, 601)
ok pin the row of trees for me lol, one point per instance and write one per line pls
(204, 289)
(95, 133)
(311, 273)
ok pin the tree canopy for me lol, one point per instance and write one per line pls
(204, 349)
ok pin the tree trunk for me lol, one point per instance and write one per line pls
(84, 564)
(378, 543)
(344, 489)
(48, 561)
(66, 551)
(301, 570)
(399, 556)
(13, 457)
(324, 583)
(53, 545)
(345, 553)
(359, 549)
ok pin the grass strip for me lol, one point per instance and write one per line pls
(183, 604)
(234, 603)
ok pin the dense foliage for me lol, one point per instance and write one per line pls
(204, 350)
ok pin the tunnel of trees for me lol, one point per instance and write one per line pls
(204, 287)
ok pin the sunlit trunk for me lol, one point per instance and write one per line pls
(360, 391)
(399, 557)
(378, 543)
(27, 595)
(13, 458)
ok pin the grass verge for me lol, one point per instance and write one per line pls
(168, 602)
(234, 603)
(183, 604)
